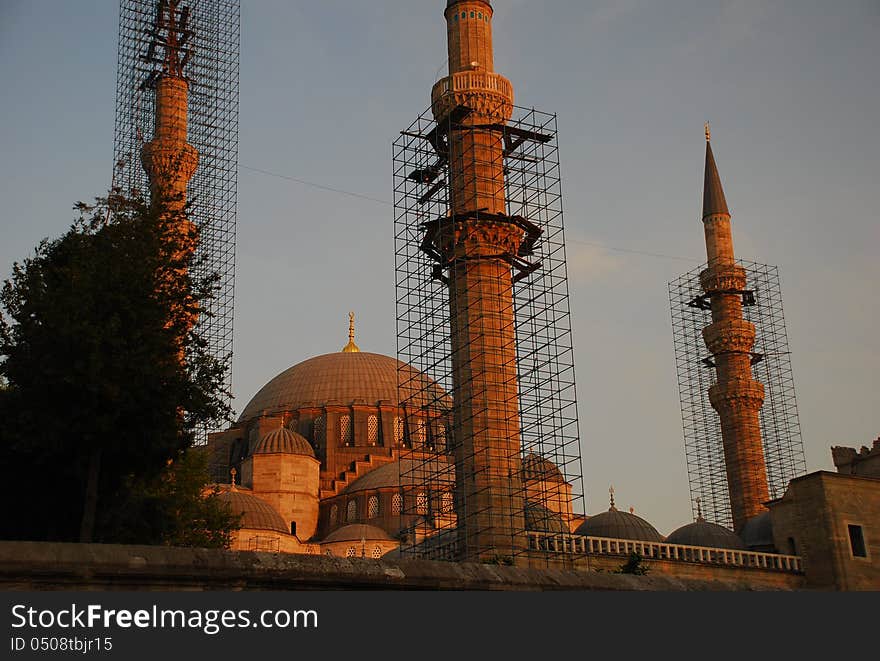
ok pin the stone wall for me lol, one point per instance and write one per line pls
(57, 566)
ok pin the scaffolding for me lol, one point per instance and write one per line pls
(771, 366)
(513, 446)
(208, 50)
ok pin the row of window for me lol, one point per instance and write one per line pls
(480, 16)
(418, 437)
(373, 508)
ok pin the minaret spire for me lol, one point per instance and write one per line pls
(713, 194)
(351, 347)
(736, 396)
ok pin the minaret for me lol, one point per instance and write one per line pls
(473, 103)
(169, 160)
(737, 397)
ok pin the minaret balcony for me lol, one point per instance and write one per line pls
(485, 92)
(723, 277)
(729, 336)
(737, 394)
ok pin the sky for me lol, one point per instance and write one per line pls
(791, 89)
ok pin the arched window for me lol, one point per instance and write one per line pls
(446, 503)
(377, 552)
(421, 434)
(334, 514)
(351, 511)
(345, 435)
(373, 430)
(373, 507)
(396, 503)
(319, 428)
(398, 430)
(421, 503)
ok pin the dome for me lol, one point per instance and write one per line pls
(536, 467)
(389, 474)
(757, 533)
(343, 378)
(284, 441)
(257, 514)
(355, 532)
(540, 519)
(704, 533)
(619, 525)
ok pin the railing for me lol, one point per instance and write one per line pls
(578, 544)
(463, 81)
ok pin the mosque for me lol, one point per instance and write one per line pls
(315, 459)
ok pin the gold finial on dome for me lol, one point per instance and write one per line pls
(708, 132)
(232, 473)
(351, 347)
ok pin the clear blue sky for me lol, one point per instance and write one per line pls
(791, 88)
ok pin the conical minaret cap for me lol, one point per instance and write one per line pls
(713, 194)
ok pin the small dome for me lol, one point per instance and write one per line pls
(541, 519)
(536, 467)
(704, 533)
(389, 474)
(284, 441)
(355, 532)
(619, 525)
(257, 514)
(757, 533)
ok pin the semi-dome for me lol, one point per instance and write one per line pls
(355, 532)
(541, 519)
(619, 525)
(536, 467)
(256, 514)
(284, 441)
(343, 378)
(704, 533)
(389, 474)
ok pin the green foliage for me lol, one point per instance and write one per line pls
(175, 507)
(497, 559)
(105, 378)
(634, 565)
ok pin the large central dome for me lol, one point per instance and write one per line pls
(342, 378)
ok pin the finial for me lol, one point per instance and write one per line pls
(232, 473)
(699, 511)
(611, 493)
(351, 347)
(632, 510)
(708, 132)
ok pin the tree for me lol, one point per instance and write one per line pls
(107, 377)
(635, 564)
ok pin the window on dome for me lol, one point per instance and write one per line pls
(398, 430)
(421, 433)
(345, 432)
(396, 503)
(350, 552)
(421, 503)
(319, 427)
(351, 511)
(334, 514)
(446, 503)
(438, 436)
(377, 552)
(373, 430)
(373, 507)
